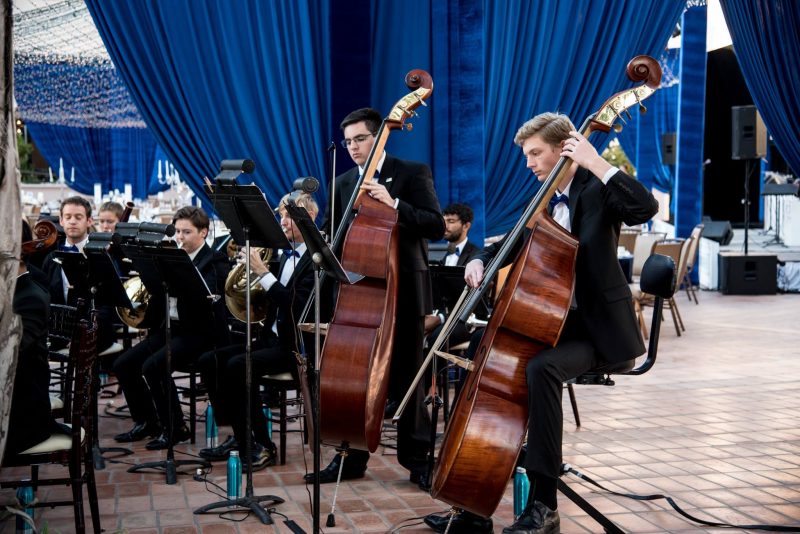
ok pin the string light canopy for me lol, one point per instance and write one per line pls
(63, 74)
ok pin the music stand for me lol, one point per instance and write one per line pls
(777, 191)
(250, 219)
(106, 290)
(167, 272)
(324, 260)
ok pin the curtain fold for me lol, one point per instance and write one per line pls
(219, 80)
(555, 56)
(111, 157)
(766, 39)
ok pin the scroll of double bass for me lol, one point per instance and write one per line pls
(491, 413)
(354, 368)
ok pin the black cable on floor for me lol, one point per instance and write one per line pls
(566, 468)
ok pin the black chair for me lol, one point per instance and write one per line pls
(276, 397)
(72, 450)
(659, 278)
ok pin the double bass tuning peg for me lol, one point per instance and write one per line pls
(409, 126)
(618, 127)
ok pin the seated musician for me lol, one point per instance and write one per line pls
(406, 186)
(31, 420)
(595, 199)
(196, 325)
(460, 251)
(223, 370)
(108, 215)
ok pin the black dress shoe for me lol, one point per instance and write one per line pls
(263, 456)
(537, 518)
(329, 474)
(220, 452)
(161, 442)
(138, 432)
(463, 523)
(420, 478)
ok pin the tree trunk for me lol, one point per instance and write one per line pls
(10, 223)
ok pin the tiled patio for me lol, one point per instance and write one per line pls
(714, 425)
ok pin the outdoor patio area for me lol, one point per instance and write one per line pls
(714, 425)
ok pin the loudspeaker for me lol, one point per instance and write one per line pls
(754, 274)
(748, 133)
(668, 148)
(719, 231)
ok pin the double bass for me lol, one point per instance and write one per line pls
(354, 366)
(491, 414)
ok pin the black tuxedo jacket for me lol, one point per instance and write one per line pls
(603, 298)
(468, 253)
(31, 421)
(55, 282)
(198, 316)
(287, 302)
(419, 219)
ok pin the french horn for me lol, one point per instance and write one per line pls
(236, 292)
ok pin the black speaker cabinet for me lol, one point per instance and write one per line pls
(719, 231)
(748, 133)
(754, 274)
(668, 148)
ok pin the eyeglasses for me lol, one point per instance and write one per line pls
(357, 140)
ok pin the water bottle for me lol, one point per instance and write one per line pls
(234, 475)
(103, 378)
(521, 488)
(25, 497)
(268, 415)
(212, 434)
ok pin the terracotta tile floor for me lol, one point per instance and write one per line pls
(714, 424)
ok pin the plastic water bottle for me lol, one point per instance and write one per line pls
(521, 488)
(212, 434)
(268, 415)
(25, 497)
(103, 378)
(234, 475)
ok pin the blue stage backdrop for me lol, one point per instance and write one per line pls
(765, 39)
(272, 80)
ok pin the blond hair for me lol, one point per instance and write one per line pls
(304, 200)
(551, 127)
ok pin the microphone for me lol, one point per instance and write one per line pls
(306, 184)
(247, 166)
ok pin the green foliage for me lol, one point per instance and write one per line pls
(617, 157)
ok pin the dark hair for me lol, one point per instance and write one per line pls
(196, 216)
(463, 211)
(114, 207)
(369, 116)
(77, 201)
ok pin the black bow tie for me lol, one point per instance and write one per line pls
(452, 248)
(69, 248)
(289, 252)
(557, 198)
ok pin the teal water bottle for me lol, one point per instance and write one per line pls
(212, 434)
(521, 488)
(234, 475)
(25, 497)
(268, 415)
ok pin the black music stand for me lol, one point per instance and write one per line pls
(106, 290)
(777, 191)
(324, 260)
(167, 272)
(251, 221)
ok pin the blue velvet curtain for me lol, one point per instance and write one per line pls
(766, 39)
(567, 56)
(111, 157)
(641, 138)
(212, 87)
(218, 80)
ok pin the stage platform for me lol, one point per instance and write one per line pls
(759, 243)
